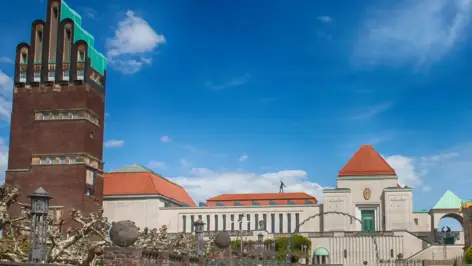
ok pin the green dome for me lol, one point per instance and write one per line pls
(321, 252)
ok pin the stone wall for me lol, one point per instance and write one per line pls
(2, 263)
(118, 256)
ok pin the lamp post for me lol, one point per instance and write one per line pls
(37, 252)
(199, 235)
(272, 248)
(260, 242)
(240, 222)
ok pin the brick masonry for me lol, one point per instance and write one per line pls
(65, 183)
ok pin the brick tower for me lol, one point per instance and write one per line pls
(56, 134)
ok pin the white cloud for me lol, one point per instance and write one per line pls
(229, 84)
(90, 12)
(439, 157)
(114, 143)
(426, 189)
(325, 19)
(372, 111)
(324, 35)
(3, 160)
(134, 42)
(157, 165)
(419, 32)
(243, 158)
(406, 170)
(184, 163)
(165, 139)
(6, 60)
(203, 183)
(412, 171)
(6, 87)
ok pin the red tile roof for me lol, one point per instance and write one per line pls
(144, 183)
(365, 162)
(261, 199)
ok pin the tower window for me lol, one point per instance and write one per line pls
(91, 135)
(81, 57)
(39, 35)
(55, 12)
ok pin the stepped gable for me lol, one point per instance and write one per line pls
(366, 162)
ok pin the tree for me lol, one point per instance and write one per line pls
(80, 246)
(296, 247)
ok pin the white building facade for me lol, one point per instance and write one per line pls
(367, 217)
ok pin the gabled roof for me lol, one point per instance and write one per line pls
(366, 162)
(139, 180)
(448, 201)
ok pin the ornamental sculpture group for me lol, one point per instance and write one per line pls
(32, 237)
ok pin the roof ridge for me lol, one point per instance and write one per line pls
(154, 184)
(146, 170)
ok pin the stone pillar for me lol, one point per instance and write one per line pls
(163, 259)
(186, 261)
(122, 256)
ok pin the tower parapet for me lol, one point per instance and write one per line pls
(60, 51)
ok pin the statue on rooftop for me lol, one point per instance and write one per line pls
(282, 185)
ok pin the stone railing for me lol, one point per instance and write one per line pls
(230, 233)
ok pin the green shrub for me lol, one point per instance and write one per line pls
(468, 255)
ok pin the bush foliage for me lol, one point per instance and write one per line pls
(468, 255)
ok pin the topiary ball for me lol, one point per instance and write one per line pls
(124, 233)
(222, 240)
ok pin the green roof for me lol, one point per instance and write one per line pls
(448, 201)
(321, 252)
(421, 211)
(135, 168)
(97, 60)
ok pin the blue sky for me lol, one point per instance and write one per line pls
(233, 96)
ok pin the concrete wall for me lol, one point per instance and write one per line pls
(361, 247)
(340, 201)
(440, 252)
(143, 211)
(398, 209)
(421, 222)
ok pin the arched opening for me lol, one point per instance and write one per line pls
(320, 256)
(53, 27)
(450, 230)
